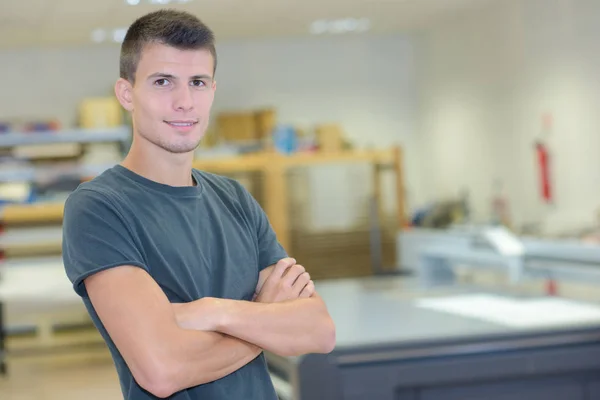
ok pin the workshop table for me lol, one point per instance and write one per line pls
(392, 346)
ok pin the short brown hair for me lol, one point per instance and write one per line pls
(178, 29)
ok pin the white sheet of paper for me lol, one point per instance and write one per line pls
(505, 242)
(517, 313)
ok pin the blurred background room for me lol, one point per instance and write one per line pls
(434, 164)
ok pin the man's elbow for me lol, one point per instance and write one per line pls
(160, 389)
(156, 378)
(327, 336)
(164, 378)
(320, 341)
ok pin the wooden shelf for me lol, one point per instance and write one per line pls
(262, 161)
(24, 214)
(249, 162)
(273, 165)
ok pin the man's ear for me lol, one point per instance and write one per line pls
(124, 93)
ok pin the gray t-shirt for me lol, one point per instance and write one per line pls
(211, 239)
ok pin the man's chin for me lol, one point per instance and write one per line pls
(181, 148)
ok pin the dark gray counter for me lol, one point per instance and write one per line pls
(388, 348)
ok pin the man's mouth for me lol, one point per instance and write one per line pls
(182, 124)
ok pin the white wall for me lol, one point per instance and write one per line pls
(365, 83)
(485, 80)
(50, 83)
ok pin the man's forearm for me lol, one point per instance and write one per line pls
(202, 357)
(286, 328)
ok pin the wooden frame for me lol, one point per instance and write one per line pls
(274, 167)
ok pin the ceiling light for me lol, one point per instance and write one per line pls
(119, 34)
(102, 35)
(133, 2)
(99, 35)
(339, 26)
(318, 27)
(342, 26)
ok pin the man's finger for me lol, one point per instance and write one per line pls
(308, 290)
(281, 266)
(292, 274)
(300, 284)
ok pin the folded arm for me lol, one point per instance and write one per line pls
(163, 357)
(287, 328)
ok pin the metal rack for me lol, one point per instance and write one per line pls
(437, 255)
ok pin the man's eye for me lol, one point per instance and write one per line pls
(161, 82)
(198, 82)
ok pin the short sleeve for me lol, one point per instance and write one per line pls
(95, 238)
(269, 249)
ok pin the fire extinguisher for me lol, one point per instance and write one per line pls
(543, 159)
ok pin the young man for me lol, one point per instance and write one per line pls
(178, 268)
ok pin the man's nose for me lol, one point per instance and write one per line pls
(183, 99)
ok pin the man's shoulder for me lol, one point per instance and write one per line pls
(100, 190)
(222, 185)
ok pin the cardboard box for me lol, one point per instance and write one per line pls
(237, 127)
(330, 138)
(246, 126)
(265, 122)
(100, 112)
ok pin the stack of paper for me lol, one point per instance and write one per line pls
(517, 313)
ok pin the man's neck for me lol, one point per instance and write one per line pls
(168, 169)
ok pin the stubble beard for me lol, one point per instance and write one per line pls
(173, 148)
(177, 148)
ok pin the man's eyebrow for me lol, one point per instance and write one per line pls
(162, 75)
(201, 77)
(170, 76)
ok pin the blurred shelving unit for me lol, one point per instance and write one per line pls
(34, 291)
(272, 166)
(82, 136)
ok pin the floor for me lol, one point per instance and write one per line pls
(68, 375)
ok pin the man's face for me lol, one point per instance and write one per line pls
(172, 97)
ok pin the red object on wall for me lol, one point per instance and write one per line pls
(551, 287)
(543, 159)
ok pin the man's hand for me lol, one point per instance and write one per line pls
(265, 273)
(197, 315)
(287, 281)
